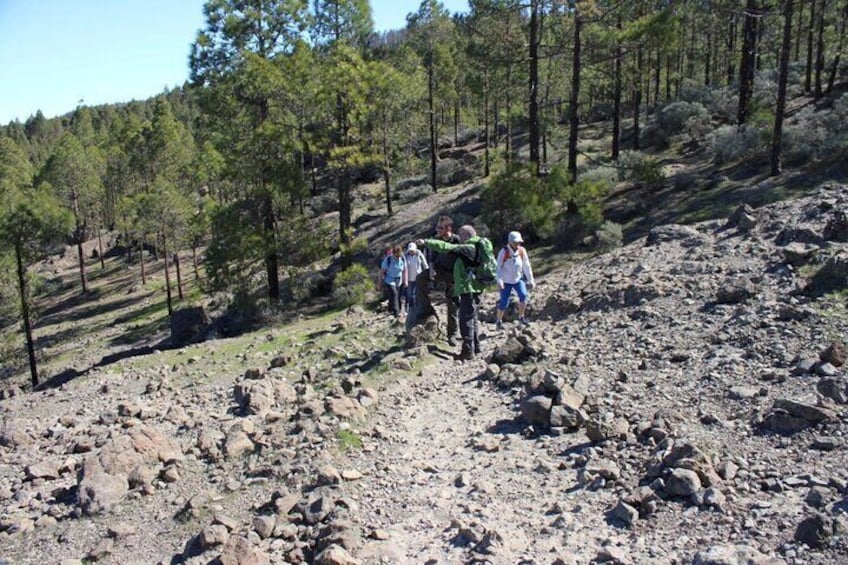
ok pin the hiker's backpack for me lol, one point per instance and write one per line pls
(484, 267)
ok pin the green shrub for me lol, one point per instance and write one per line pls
(349, 440)
(672, 118)
(352, 286)
(605, 174)
(516, 199)
(354, 246)
(731, 143)
(813, 134)
(584, 211)
(653, 135)
(609, 236)
(683, 181)
(638, 168)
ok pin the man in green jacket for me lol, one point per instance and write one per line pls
(466, 288)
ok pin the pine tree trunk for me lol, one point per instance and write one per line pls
(834, 67)
(799, 38)
(657, 73)
(141, 262)
(100, 249)
(167, 276)
(343, 186)
(508, 140)
(748, 61)
(730, 43)
(496, 114)
(271, 260)
(533, 87)
(709, 55)
(81, 257)
(195, 265)
(22, 286)
(637, 99)
(456, 122)
(819, 49)
(574, 98)
(616, 98)
(668, 60)
(432, 121)
(808, 81)
(776, 140)
(179, 275)
(487, 164)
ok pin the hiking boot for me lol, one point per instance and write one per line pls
(524, 321)
(452, 341)
(499, 325)
(466, 356)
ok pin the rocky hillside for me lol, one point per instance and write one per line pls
(679, 400)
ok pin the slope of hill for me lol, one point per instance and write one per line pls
(681, 399)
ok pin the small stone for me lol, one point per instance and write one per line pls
(816, 497)
(825, 443)
(624, 513)
(351, 475)
(378, 534)
(683, 482)
(121, 530)
(212, 535)
(264, 525)
(102, 549)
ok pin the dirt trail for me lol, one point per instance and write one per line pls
(450, 477)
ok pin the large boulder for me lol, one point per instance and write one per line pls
(188, 325)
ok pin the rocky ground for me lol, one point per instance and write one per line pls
(679, 400)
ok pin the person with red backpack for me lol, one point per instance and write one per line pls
(514, 273)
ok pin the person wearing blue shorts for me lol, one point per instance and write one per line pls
(514, 273)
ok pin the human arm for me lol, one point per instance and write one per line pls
(404, 274)
(382, 277)
(528, 269)
(500, 262)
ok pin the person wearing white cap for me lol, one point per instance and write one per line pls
(514, 273)
(416, 263)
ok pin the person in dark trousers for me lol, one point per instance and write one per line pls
(441, 272)
(466, 289)
(393, 278)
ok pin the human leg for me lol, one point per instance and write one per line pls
(521, 291)
(503, 302)
(453, 312)
(394, 299)
(476, 323)
(468, 324)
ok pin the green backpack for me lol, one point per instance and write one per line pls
(484, 267)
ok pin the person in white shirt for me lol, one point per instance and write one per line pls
(416, 263)
(514, 273)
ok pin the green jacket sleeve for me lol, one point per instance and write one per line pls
(440, 246)
(462, 283)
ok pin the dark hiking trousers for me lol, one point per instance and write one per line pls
(393, 292)
(453, 310)
(452, 302)
(468, 323)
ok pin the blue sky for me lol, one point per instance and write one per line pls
(55, 54)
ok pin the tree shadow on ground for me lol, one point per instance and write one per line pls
(61, 311)
(68, 375)
(67, 334)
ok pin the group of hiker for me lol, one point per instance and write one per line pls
(461, 264)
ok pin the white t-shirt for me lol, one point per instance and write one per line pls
(512, 264)
(416, 263)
